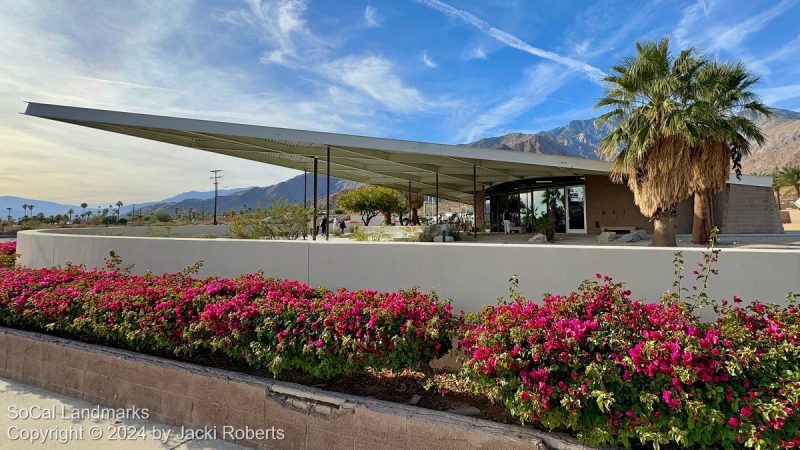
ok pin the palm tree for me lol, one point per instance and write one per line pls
(71, 212)
(30, 208)
(790, 176)
(721, 94)
(777, 184)
(119, 207)
(84, 205)
(651, 146)
(25, 209)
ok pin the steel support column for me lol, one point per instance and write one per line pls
(305, 200)
(314, 237)
(474, 201)
(437, 197)
(328, 195)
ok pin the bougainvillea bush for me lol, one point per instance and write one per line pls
(8, 252)
(270, 324)
(618, 371)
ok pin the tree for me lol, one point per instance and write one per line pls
(119, 208)
(776, 186)
(70, 212)
(368, 201)
(789, 176)
(25, 209)
(675, 119)
(30, 208)
(84, 205)
(718, 97)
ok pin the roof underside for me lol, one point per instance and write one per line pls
(378, 161)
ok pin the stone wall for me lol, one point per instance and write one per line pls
(184, 394)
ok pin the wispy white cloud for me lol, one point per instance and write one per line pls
(478, 52)
(593, 73)
(697, 26)
(281, 25)
(427, 60)
(120, 60)
(787, 52)
(371, 16)
(376, 77)
(539, 83)
(778, 94)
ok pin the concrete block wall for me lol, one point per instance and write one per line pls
(609, 204)
(751, 209)
(184, 394)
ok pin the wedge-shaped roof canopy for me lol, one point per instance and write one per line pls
(384, 162)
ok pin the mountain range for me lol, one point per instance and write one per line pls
(578, 138)
(581, 138)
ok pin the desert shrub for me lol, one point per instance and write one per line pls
(281, 221)
(270, 324)
(160, 216)
(8, 254)
(619, 371)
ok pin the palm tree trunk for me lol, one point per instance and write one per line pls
(664, 229)
(778, 196)
(414, 216)
(700, 222)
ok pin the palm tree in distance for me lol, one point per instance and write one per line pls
(71, 212)
(722, 93)
(790, 176)
(651, 146)
(30, 208)
(84, 205)
(119, 208)
(25, 210)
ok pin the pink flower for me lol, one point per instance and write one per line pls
(733, 422)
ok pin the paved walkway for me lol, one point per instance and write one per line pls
(32, 418)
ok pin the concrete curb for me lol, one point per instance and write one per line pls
(186, 394)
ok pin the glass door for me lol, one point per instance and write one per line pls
(576, 209)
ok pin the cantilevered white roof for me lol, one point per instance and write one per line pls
(385, 162)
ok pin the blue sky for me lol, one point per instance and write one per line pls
(429, 70)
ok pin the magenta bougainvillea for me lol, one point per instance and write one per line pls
(619, 371)
(266, 323)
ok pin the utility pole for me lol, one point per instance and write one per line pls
(215, 177)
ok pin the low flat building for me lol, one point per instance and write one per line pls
(499, 183)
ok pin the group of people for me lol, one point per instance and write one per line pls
(322, 228)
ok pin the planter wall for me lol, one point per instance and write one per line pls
(189, 395)
(473, 275)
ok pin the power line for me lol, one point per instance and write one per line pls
(215, 178)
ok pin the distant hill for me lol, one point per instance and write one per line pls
(581, 138)
(255, 197)
(39, 206)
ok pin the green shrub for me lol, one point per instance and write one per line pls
(281, 221)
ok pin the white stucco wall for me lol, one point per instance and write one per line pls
(471, 274)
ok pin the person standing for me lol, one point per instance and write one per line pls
(506, 222)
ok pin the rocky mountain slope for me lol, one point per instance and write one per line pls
(257, 197)
(581, 138)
